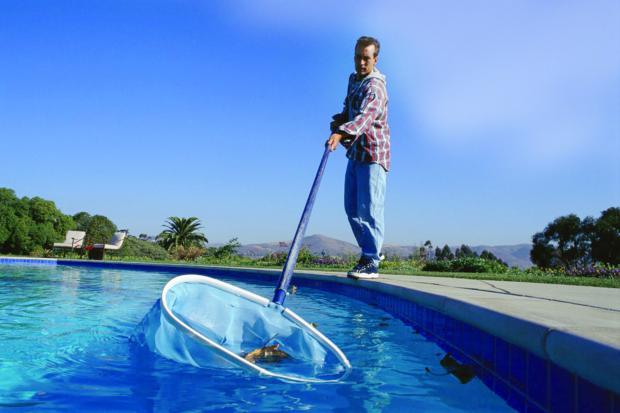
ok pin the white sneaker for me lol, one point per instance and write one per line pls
(364, 276)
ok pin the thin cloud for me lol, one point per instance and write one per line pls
(541, 79)
(544, 76)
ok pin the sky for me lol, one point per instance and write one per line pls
(504, 115)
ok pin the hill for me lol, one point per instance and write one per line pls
(515, 255)
(317, 244)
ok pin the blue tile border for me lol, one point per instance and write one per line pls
(527, 381)
(27, 261)
(591, 398)
(538, 380)
(562, 390)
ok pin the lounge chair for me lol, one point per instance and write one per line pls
(73, 240)
(98, 250)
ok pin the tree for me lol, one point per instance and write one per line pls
(47, 224)
(443, 254)
(100, 229)
(464, 251)
(565, 242)
(489, 256)
(543, 254)
(8, 217)
(606, 237)
(82, 219)
(446, 253)
(438, 255)
(426, 250)
(568, 235)
(27, 224)
(181, 232)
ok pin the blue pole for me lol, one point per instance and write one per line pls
(291, 260)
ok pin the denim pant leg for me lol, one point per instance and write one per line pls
(350, 202)
(364, 204)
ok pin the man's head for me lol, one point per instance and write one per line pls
(366, 55)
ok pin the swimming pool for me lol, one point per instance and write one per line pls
(65, 347)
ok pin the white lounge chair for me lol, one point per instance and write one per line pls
(73, 240)
(115, 243)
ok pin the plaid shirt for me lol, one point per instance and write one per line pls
(364, 117)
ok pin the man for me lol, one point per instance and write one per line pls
(362, 129)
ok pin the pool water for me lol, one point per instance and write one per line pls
(65, 346)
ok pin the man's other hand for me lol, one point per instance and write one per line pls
(332, 142)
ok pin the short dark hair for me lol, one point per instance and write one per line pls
(365, 41)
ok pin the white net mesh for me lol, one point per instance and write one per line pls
(206, 323)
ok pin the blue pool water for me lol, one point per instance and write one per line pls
(65, 346)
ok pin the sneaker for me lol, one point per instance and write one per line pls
(357, 267)
(365, 269)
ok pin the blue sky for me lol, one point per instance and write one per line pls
(504, 115)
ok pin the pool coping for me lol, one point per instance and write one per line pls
(536, 317)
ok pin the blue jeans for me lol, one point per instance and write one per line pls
(364, 198)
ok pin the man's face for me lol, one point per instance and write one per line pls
(365, 60)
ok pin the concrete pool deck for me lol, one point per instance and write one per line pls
(592, 312)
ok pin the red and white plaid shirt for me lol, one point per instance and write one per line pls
(364, 117)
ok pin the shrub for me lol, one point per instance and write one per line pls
(330, 261)
(188, 253)
(305, 256)
(401, 265)
(274, 258)
(467, 264)
(597, 271)
(594, 271)
(438, 265)
(39, 251)
(134, 247)
(225, 251)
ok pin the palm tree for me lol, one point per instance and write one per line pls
(181, 231)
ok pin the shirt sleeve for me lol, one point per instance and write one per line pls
(342, 117)
(371, 107)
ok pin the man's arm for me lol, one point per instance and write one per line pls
(373, 104)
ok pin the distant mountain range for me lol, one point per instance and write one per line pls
(514, 255)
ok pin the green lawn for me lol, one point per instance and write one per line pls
(520, 277)
(402, 268)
